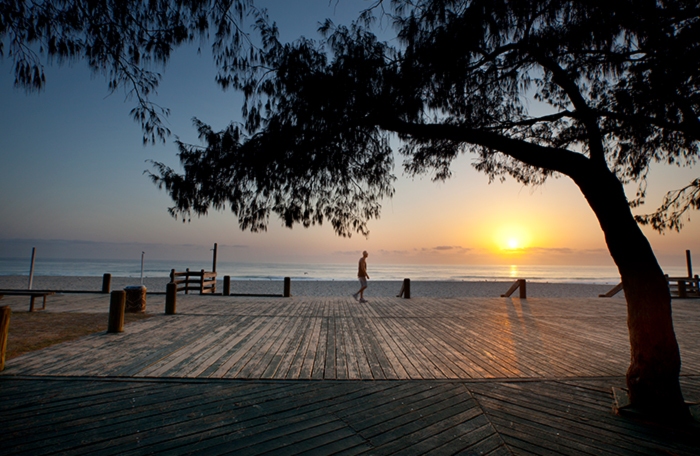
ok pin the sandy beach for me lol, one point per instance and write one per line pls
(437, 289)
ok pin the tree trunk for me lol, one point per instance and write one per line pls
(653, 374)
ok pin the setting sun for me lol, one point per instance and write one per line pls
(511, 239)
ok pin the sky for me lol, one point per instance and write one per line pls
(72, 181)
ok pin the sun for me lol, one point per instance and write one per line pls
(511, 239)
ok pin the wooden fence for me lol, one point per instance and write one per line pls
(684, 287)
(202, 281)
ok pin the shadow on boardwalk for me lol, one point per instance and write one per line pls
(448, 376)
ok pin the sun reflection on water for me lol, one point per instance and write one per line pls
(513, 273)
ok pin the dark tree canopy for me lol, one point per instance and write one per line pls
(596, 91)
(530, 87)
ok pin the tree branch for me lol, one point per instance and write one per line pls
(550, 158)
(585, 113)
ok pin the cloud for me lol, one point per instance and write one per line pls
(347, 252)
(565, 251)
(551, 250)
(395, 252)
(451, 249)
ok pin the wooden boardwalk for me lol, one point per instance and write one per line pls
(332, 376)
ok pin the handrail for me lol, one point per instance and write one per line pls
(613, 291)
(685, 287)
(519, 284)
(202, 281)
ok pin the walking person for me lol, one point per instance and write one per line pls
(362, 277)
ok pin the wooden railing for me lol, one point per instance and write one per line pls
(202, 281)
(679, 287)
(684, 287)
(518, 284)
(613, 291)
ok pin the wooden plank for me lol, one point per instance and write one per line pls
(361, 350)
(412, 405)
(387, 338)
(425, 367)
(226, 367)
(281, 362)
(562, 421)
(373, 351)
(302, 341)
(331, 365)
(312, 351)
(342, 362)
(257, 350)
(74, 416)
(393, 354)
(268, 357)
(321, 351)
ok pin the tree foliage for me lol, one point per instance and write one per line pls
(124, 40)
(615, 82)
(531, 88)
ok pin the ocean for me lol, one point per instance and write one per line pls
(276, 271)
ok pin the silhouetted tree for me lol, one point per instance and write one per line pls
(594, 90)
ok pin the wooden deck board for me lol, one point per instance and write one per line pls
(450, 375)
(338, 338)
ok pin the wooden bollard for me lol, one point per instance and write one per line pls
(682, 291)
(106, 283)
(227, 285)
(117, 304)
(5, 313)
(287, 287)
(523, 293)
(170, 298)
(407, 288)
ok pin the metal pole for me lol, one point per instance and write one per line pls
(689, 263)
(31, 269)
(213, 268)
(142, 254)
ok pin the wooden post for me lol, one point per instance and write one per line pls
(172, 275)
(682, 293)
(523, 294)
(201, 283)
(142, 255)
(689, 263)
(213, 267)
(287, 287)
(117, 304)
(106, 283)
(31, 269)
(407, 288)
(170, 298)
(227, 285)
(5, 313)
